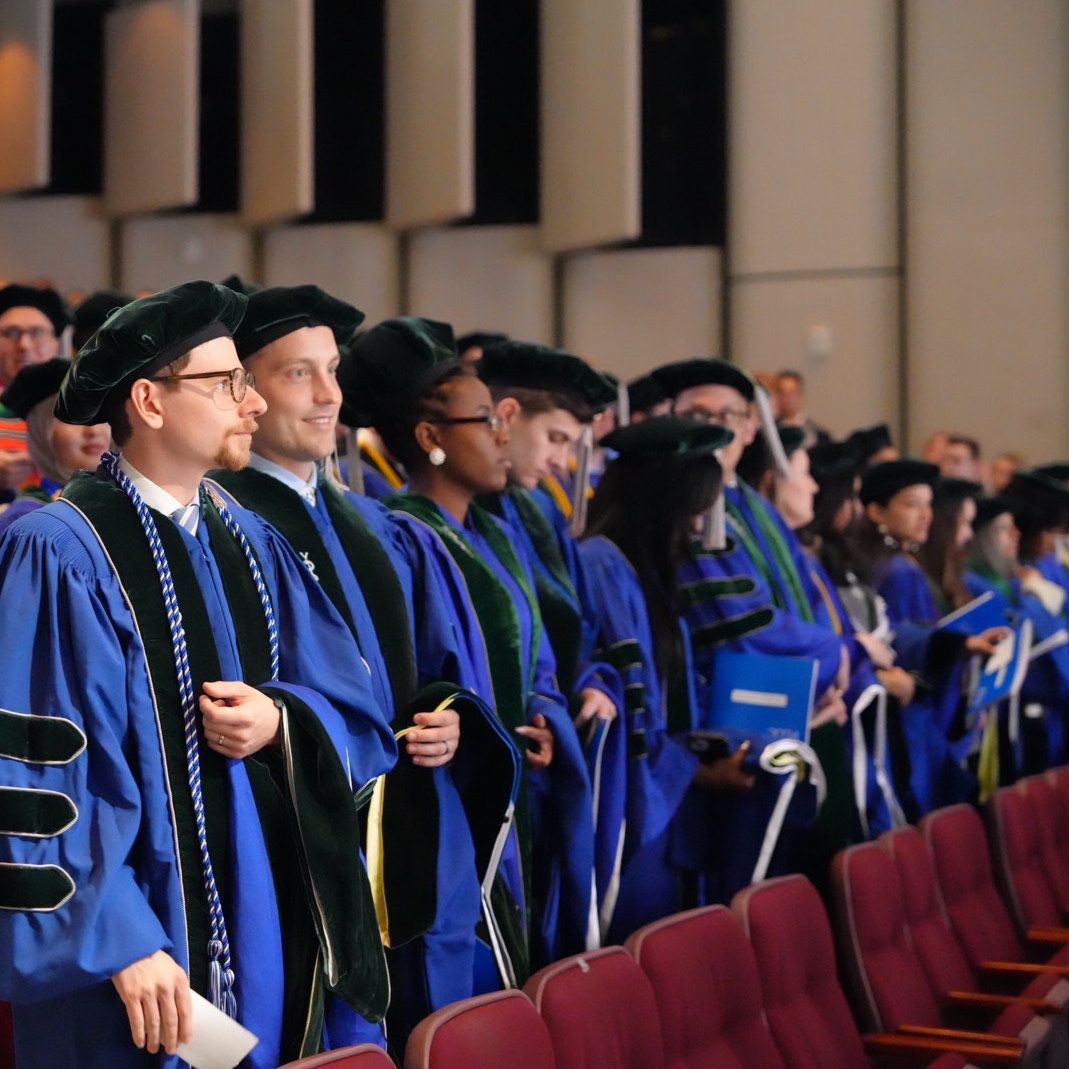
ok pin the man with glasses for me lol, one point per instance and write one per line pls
(393, 590)
(32, 322)
(177, 817)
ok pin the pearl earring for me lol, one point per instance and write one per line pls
(437, 456)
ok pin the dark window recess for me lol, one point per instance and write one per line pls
(78, 98)
(506, 112)
(350, 95)
(684, 122)
(219, 162)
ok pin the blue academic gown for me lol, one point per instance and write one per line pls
(72, 651)
(939, 776)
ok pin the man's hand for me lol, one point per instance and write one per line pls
(898, 683)
(434, 741)
(985, 642)
(15, 468)
(238, 719)
(538, 731)
(595, 703)
(881, 655)
(727, 774)
(155, 992)
(830, 707)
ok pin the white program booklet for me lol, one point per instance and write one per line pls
(219, 1042)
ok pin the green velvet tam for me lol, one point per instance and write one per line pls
(139, 339)
(388, 367)
(868, 441)
(988, 509)
(703, 371)
(667, 436)
(45, 300)
(273, 313)
(952, 489)
(882, 481)
(1059, 472)
(90, 315)
(832, 461)
(645, 393)
(538, 367)
(33, 384)
(241, 285)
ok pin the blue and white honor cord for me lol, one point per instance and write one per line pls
(220, 972)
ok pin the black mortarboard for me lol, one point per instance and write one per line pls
(667, 436)
(89, 316)
(674, 378)
(539, 367)
(868, 441)
(388, 367)
(33, 384)
(882, 481)
(948, 488)
(989, 509)
(757, 458)
(273, 313)
(46, 301)
(241, 285)
(142, 337)
(645, 393)
(1059, 472)
(832, 461)
(1045, 500)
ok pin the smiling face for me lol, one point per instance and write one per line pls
(297, 376)
(907, 516)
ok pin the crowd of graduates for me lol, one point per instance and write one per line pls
(527, 574)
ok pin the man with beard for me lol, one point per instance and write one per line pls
(176, 818)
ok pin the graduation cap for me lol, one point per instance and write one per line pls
(868, 441)
(89, 316)
(947, 488)
(47, 301)
(479, 339)
(34, 384)
(273, 313)
(988, 509)
(757, 457)
(388, 367)
(645, 393)
(1059, 472)
(830, 462)
(667, 436)
(241, 285)
(540, 367)
(882, 481)
(1037, 498)
(682, 375)
(139, 339)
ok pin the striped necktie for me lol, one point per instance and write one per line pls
(187, 517)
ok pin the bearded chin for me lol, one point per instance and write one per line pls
(233, 454)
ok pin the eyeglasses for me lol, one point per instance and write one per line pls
(722, 416)
(237, 378)
(494, 422)
(35, 334)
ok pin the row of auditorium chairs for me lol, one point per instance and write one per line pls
(948, 939)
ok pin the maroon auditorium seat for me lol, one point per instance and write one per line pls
(708, 994)
(365, 1056)
(804, 1004)
(484, 1032)
(1053, 833)
(7, 1037)
(958, 850)
(600, 1011)
(888, 983)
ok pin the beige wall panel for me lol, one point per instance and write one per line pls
(483, 278)
(591, 108)
(277, 110)
(357, 262)
(988, 222)
(151, 106)
(430, 111)
(812, 135)
(855, 382)
(65, 239)
(157, 252)
(25, 94)
(631, 310)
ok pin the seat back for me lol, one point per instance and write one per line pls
(1018, 858)
(600, 1011)
(1053, 821)
(484, 1032)
(364, 1056)
(804, 1004)
(934, 942)
(958, 849)
(887, 983)
(708, 994)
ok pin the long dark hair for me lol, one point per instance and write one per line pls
(834, 547)
(941, 557)
(647, 505)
